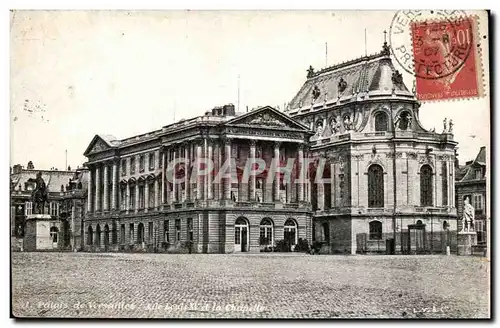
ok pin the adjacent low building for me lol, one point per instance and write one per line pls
(67, 191)
(473, 186)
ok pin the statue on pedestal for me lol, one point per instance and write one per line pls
(468, 218)
(39, 195)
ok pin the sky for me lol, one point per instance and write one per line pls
(75, 74)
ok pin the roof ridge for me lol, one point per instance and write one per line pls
(362, 59)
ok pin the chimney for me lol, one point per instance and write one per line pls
(17, 168)
(229, 110)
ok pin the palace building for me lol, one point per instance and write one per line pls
(391, 181)
(132, 205)
(387, 185)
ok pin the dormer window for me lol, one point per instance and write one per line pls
(478, 173)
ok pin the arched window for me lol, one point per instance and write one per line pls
(381, 122)
(375, 186)
(266, 232)
(419, 222)
(375, 230)
(426, 186)
(291, 232)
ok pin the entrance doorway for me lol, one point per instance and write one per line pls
(416, 238)
(241, 235)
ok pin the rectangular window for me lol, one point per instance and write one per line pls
(124, 167)
(141, 197)
(478, 174)
(122, 234)
(132, 165)
(444, 177)
(131, 234)
(141, 163)
(28, 208)
(478, 202)
(480, 228)
(151, 196)
(151, 161)
(177, 230)
(190, 229)
(123, 197)
(132, 198)
(150, 232)
(54, 208)
(166, 231)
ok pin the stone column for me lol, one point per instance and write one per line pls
(187, 176)
(205, 177)
(276, 189)
(89, 191)
(127, 198)
(156, 193)
(101, 241)
(253, 178)
(114, 187)
(106, 188)
(136, 196)
(301, 173)
(97, 206)
(333, 181)
(321, 195)
(146, 196)
(308, 185)
(227, 181)
(165, 193)
(217, 164)
(199, 184)
(174, 180)
(209, 176)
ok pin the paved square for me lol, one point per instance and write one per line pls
(248, 286)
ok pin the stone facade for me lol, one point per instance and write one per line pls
(67, 193)
(473, 185)
(382, 165)
(133, 205)
(386, 182)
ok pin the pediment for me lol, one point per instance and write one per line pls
(267, 117)
(97, 145)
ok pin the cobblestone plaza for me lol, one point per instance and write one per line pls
(124, 285)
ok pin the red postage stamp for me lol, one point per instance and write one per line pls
(445, 60)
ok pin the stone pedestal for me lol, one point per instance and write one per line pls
(37, 234)
(465, 241)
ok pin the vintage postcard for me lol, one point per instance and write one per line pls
(250, 164)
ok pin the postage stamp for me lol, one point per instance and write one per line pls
(446, 66)
(440, 49)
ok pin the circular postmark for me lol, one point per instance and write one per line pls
(431, 44)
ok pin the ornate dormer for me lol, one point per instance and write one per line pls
(316, 92)
(342, 85)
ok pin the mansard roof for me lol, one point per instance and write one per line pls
(374, 75)
(479, 161)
